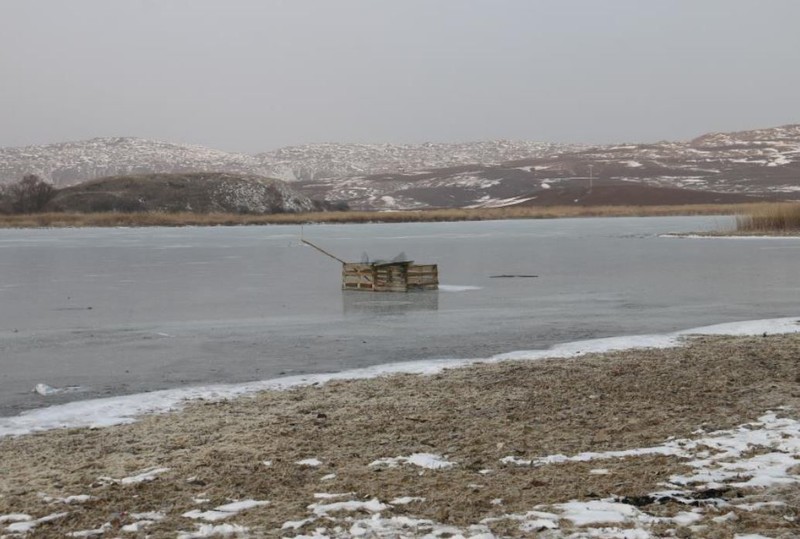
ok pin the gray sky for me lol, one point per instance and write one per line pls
(254, 75)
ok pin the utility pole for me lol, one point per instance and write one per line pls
(591, 176)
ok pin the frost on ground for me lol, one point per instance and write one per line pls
(224, 511)
(692, 441)
(423, 460)
(149, 474)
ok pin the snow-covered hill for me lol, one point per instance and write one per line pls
(763, 162)
(321, 161)
(69, 163)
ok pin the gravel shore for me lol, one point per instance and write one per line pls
(470, 438)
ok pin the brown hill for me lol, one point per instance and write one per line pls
(194, 192)
(763, 162)
(629, 194)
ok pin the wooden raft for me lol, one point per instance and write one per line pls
(390, 276)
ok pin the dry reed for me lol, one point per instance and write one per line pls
(770, 218)
(143, 219)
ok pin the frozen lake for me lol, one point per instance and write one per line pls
(118, 311)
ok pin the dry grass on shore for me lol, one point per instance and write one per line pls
(40, 220)
(215, 452)
(770, 219)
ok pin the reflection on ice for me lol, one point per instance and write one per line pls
(457, 288)
(375, 303)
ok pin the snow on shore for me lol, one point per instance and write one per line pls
(755, 455)
(124, 409)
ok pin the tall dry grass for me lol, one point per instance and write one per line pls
(781, 218)
(144, 219)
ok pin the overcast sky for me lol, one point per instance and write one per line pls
(254, 75)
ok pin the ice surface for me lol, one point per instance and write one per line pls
(125, 409)
(457, 288)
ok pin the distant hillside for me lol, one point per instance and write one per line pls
(69, 163)
(759, 163)
(194, 192)
(325, 161)
(625, 194)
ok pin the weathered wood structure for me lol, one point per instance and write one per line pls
(394, 276)
(390, 276)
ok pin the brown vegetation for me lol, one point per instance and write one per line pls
(770, 219)
(475, 416)
(223, 219)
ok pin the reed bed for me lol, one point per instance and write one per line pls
(144, 219)
(781, 218)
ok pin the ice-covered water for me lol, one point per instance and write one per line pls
(115, 311)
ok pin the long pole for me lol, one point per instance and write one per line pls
(323, 251)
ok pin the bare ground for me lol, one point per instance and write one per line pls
(474, 416)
